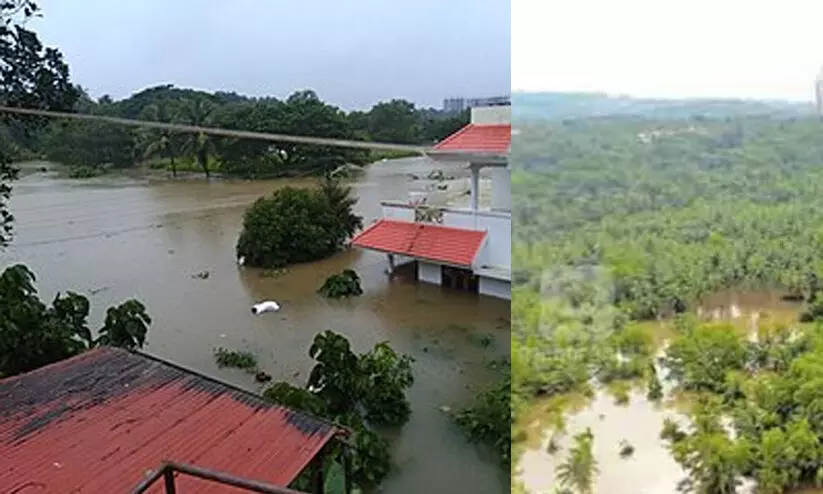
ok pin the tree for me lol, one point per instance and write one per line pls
(489, 419)
(199, 112)
(355, 391)
(297, 225)
(714, 461)
(304, 113)
(88, 143)
(395, 121)
(163, 143)
(33, 335)
(250, 158)
(31, 76)
(579, 470)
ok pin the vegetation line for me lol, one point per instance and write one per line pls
(196, 129)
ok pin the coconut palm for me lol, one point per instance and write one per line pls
(198, 112)
(580, 468)
(160, 142)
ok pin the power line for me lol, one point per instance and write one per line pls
(242, 134)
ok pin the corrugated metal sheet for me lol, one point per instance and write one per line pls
(425, 241)
(98, 422)
(479, 138)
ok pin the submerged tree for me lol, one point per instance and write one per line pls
(356, 391)
(295, 225)
(579, 470)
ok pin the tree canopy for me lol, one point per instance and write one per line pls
(97, 145)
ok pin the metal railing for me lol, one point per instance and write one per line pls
(168, 470)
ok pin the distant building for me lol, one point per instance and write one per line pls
(818, 93)
(456, 105)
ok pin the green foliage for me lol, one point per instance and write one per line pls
(489, 419)
(673, 211)
(340, 285)
(701, 358)
(298, 225)
(33, 335)
(235, 359)
(356, 391)
(31, 76)
(579, 470)
(89, 144)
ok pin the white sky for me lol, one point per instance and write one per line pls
(664, 48)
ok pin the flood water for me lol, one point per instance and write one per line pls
(651, 468)
(118, 238)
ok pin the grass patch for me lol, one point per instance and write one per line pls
(235, 359)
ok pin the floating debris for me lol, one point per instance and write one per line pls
(626, 449)
(263, 307)
(262, 377)
(203, 275)
(273, 273)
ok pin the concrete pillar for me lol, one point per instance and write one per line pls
(475, 188)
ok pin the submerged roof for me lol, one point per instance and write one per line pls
(479, 138)
(99, 421)
(425, 241)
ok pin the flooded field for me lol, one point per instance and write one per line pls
(117, 238)
(650, 469)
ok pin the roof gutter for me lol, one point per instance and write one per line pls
(475, 157)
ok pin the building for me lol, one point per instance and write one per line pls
(468, 248)
(818, 93)
(456, 105)
(107, 419)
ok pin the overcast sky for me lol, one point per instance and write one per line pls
(353, 53)
(665, 48)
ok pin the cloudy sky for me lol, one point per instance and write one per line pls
(666, 48)
(353, 53)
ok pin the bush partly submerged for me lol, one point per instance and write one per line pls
(345, 284)
(295, 225)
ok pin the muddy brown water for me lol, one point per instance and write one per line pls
(117, 238)
(651, 468)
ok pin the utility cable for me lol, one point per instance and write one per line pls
(241, 134)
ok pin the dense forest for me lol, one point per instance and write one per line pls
(624, 220)
(90, 147)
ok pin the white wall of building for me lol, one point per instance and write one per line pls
(496, 252)
(429, 273)
(498, 248)
(495, 288)
(491, 115)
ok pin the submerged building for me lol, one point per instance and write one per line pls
(467, 248)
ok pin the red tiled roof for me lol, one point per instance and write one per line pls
(99, 421)
(422, 241)
(480, 138)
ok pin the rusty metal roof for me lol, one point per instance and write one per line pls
(426, 241)
(99, 421)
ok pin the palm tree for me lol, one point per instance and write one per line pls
(580, 468)
(198, 112)
(160, 142)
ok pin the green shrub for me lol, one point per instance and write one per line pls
(355, 391)
(235, 359)
(345, 284)
(489, 419)
(295, 225)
